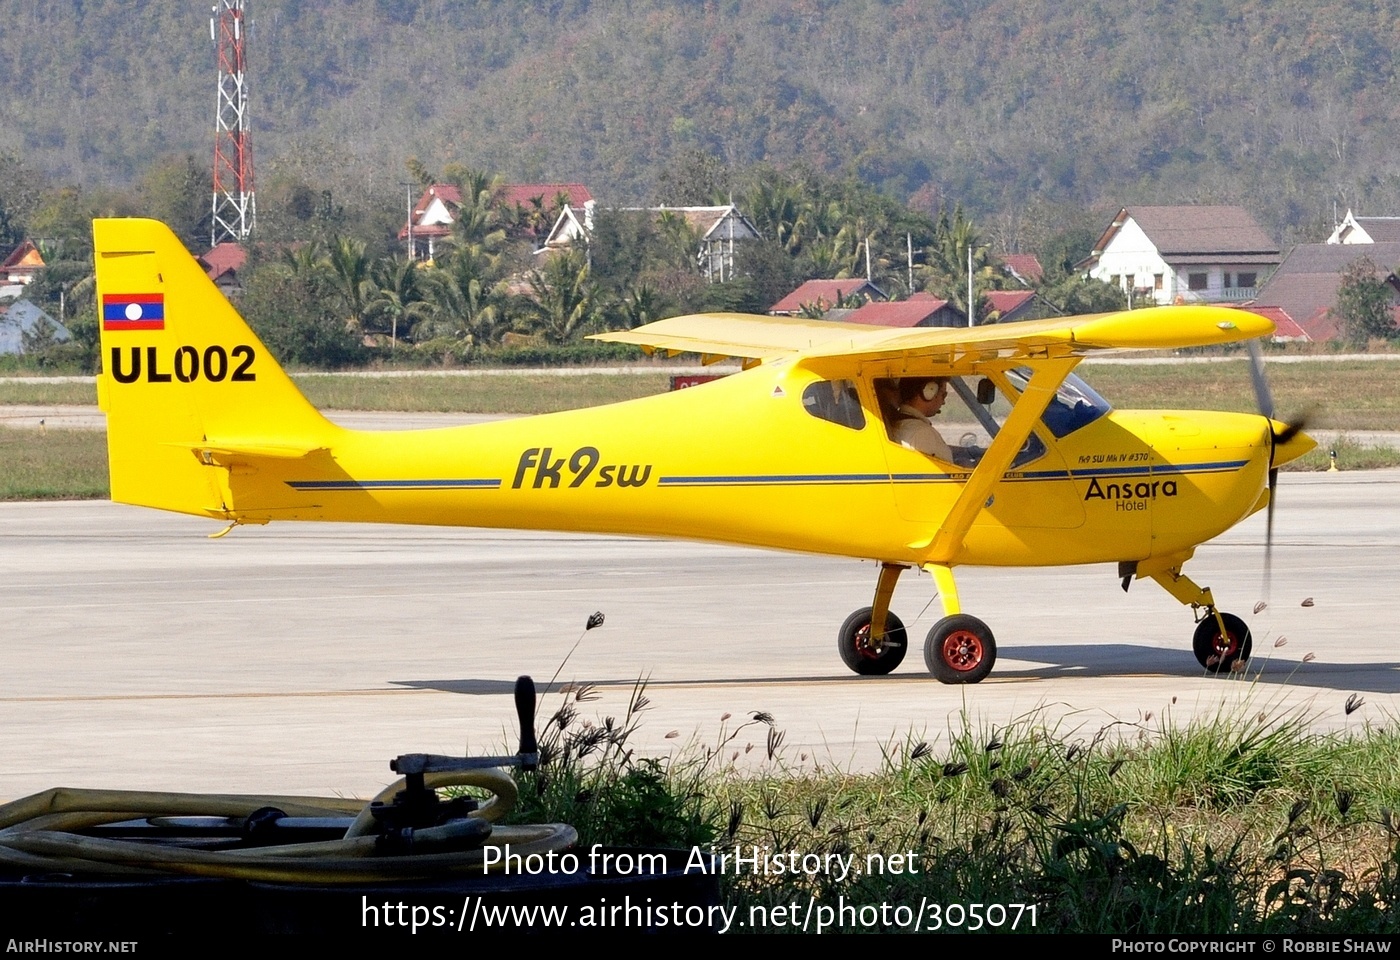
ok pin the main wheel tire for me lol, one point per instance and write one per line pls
(960, 649)
(1217, 653)
(865, 657)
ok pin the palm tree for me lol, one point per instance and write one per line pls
(398, 297)
(565, 301)
(469, 295)
(775, 205)
(350, 268)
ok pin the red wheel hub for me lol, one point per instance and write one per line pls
(868, 649)
(1225, 646)
(962, 650)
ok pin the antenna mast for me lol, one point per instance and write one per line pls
(235, 209)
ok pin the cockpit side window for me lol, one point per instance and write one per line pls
(836, 401)
(966, 423)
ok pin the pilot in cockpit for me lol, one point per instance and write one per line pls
(920, 399)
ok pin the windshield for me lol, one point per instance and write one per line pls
(1075, 405)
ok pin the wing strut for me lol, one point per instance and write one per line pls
(1045, 380)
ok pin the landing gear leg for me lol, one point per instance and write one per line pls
(959, 648)
(1221, 642)
(872, 641)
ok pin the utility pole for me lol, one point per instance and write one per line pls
(234, 208)
(971, 307)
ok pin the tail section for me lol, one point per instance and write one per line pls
(192, 396)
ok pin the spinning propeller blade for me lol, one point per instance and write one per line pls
(1264, 397)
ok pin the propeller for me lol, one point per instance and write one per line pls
(1265, 399)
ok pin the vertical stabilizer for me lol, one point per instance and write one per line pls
(191, 394)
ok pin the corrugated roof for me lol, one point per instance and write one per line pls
(1008, 303)
(827, 292)
(1380, 229)
(227, 257)
(1306, 282)
(897, 313)
(1024, 265)
(1285, 327)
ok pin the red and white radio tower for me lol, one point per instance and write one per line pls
(235, 209)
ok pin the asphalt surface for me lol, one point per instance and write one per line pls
(299, 658)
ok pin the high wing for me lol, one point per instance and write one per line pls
(1051, 347)
(757, 339)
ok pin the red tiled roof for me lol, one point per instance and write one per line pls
(26, 255)
(827, 292)
(1008, 302)
(1285, 327)
(1305, 285)
(227, 257)
(523, 193)
(897, 313)
(1320, 326)
(1024, 265)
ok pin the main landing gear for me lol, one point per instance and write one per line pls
(959, 648)
(1221, 642)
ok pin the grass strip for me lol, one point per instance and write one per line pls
(507, 393)
(53, 465)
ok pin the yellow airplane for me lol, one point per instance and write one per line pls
(796, 452)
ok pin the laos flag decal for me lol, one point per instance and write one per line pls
(133, 311)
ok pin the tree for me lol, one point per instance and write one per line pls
(565, 301)
(350, 268)
(398, 303)
(177, 191)
(292, 314)
(693, 179)
(1364, 304)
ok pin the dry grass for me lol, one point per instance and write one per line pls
(57, 465)
(1341, 395)
(521, 393)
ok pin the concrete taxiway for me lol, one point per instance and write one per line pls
(299, 658)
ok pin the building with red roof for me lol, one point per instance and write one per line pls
(1010, 305)
(223, 263)
(920, 310)
(1305, 285)
(22, 263)
(823, 295)
(1025, 267)
(436, 210)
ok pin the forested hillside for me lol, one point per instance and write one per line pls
(1016, 109)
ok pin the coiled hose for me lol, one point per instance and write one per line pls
(42, 833)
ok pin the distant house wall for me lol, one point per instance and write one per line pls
(1131, 262)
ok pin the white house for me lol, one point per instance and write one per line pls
(1183, 254)
(719, 229)
(1354, 229)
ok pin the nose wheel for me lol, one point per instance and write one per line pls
(865, 655)
(960, 649)
(1219, 651)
